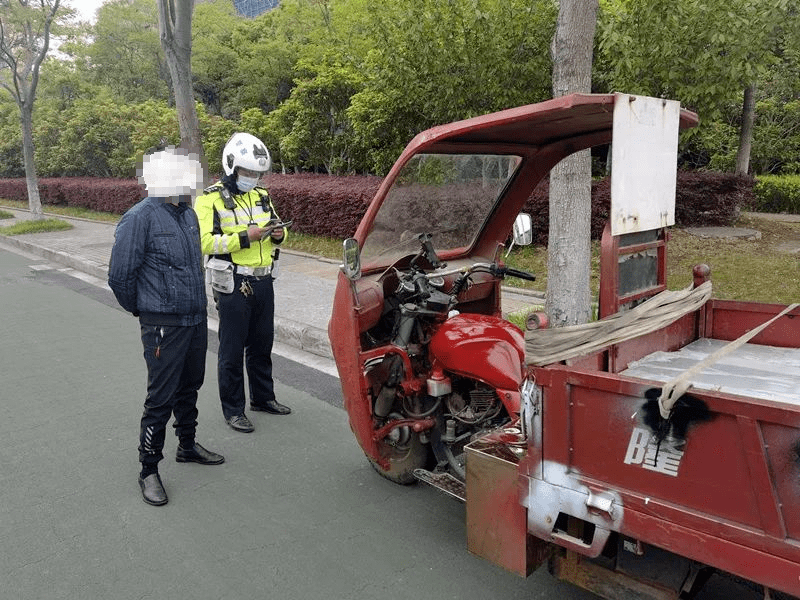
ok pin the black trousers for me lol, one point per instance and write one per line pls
(176, 367)
(246, 332)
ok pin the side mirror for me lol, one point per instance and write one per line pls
(352, 259)
(523, 230)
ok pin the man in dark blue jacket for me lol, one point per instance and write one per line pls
(156, 273)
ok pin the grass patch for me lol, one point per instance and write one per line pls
(311, 244)
(35, 226)
(4, 214)
(753, 270)
(764, 270)
(533, 259)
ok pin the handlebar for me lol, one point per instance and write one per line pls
(516, 273)
(464, 273)
(492, 268)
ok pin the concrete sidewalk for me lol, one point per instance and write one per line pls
(304, 288)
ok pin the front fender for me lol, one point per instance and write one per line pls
(481, 347)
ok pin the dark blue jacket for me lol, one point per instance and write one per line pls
(156, 269)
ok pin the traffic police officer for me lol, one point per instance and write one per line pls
(238, 230)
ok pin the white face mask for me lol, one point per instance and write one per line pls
(246, 184)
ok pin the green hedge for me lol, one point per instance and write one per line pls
(777, 194)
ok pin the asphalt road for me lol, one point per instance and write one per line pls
(295, 513)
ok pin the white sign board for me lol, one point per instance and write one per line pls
(644, 161)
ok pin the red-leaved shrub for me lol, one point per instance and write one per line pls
(333, 206)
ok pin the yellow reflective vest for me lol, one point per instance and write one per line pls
(223, 224)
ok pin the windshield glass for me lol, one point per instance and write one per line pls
(447, 195)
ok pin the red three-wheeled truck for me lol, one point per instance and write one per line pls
(636, 455)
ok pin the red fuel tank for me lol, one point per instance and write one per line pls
(482, 347)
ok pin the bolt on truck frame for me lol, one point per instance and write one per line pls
(635, 456)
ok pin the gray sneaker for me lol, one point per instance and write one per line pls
(240, 423)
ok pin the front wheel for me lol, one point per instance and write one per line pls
(403, 459)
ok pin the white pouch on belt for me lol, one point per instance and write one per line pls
(219, 273)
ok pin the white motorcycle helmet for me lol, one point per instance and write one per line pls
(245, 151)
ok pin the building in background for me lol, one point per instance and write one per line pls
(253, 8)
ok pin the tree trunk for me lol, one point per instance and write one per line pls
(31, 180)
(24, 42)
(746, 133)
(568, 299)
(188, 123)
(175, 28)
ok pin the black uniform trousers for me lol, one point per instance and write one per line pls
(246, 332)
(176, 366)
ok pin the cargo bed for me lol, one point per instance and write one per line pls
(751, 370)
(728, 495)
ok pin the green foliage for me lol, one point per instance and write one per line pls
(776, 140)
(777, 194)
(703, 53)
(104, 137)
(63, 82)
(89, 137)
(215, 132)
(715, 146)
(436, 62)
(154, 123)
(249, 63)
(125, 54)
(776, 144)
(10, 141)
(342, 86)
(215, 68)
(312, 124)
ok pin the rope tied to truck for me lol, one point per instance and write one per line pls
(677, 387)
(547, 346)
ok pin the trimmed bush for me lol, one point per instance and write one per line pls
(709, 198)
(324, 205)
(702, 199)
(94, 193)
(777, 194)
(333, 206)
(538, 205)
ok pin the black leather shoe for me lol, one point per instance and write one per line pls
(240, 423)
(273, 407)
(153, 490)
(198, 454)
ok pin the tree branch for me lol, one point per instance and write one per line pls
(10, 60)
(43, 51)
